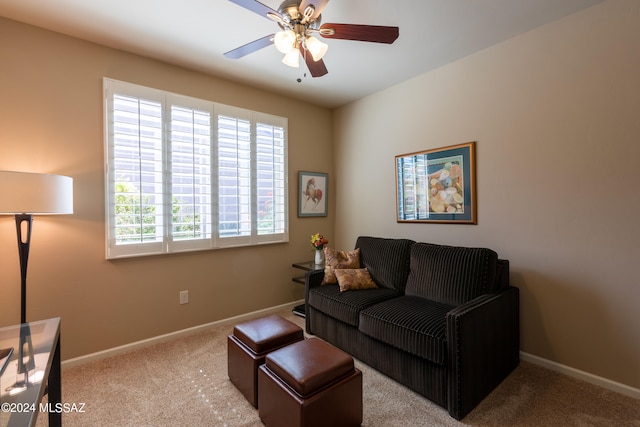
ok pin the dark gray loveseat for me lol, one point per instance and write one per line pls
(444, 320)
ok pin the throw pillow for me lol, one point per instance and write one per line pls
(334, 259)
(351, 279)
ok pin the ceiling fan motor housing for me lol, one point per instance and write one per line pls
(290, 11)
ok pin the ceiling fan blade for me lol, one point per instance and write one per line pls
(363, 33)
(316, 68)
(251, 47)
(255, 6)
(318, 5)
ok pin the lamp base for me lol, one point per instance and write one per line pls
(26, 362)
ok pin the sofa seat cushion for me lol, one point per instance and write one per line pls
(346, 306)
(410, 323)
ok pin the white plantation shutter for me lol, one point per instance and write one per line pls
(135, 194)
(185, 174)
(234, 179)
(252, 196)
(270, 176)
(191, 149)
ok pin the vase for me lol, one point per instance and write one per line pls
(319, 257)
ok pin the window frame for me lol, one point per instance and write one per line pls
(167, 243)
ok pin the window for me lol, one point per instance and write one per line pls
(184, 174)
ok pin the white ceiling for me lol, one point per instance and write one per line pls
(195, 34)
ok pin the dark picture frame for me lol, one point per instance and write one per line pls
(437, 185)
(312, 194)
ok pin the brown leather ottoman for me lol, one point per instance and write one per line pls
(309, 383)
(248, 346)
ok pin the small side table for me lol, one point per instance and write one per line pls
(38, 343)
(305, 266)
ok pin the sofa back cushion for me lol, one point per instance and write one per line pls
(386, 259)
(451, 275)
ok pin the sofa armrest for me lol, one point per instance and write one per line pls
(483, 345)
(502, 274)
(312, 279)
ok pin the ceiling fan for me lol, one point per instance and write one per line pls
(299, 21)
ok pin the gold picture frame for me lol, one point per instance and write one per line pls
(437, 185)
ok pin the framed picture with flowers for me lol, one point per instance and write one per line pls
(437, 185)
(312, 194)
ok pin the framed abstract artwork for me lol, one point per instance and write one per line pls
(437, 185)
(312, 194)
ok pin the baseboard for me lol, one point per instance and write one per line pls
(173, 335)
(582, 375)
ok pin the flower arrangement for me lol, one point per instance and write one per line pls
(318, 241)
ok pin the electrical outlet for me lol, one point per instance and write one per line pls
(184, 297)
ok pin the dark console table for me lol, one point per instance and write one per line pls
(23, 385)
(305, 266)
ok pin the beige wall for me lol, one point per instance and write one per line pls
(556, 116)
(51, 120)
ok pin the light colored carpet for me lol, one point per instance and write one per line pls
(184, 383)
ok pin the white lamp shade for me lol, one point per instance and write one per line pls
(284, 41)
(316, 47)
(292, 59)
(35, 193)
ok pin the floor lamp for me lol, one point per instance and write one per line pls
(24, 194)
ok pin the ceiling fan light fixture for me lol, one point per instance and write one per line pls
(308, 12)
(284, 41)
(316, 47)
(292, 59)
(299, 22)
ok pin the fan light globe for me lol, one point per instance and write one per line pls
(291, 59)
(316, 47)
(284, 41)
